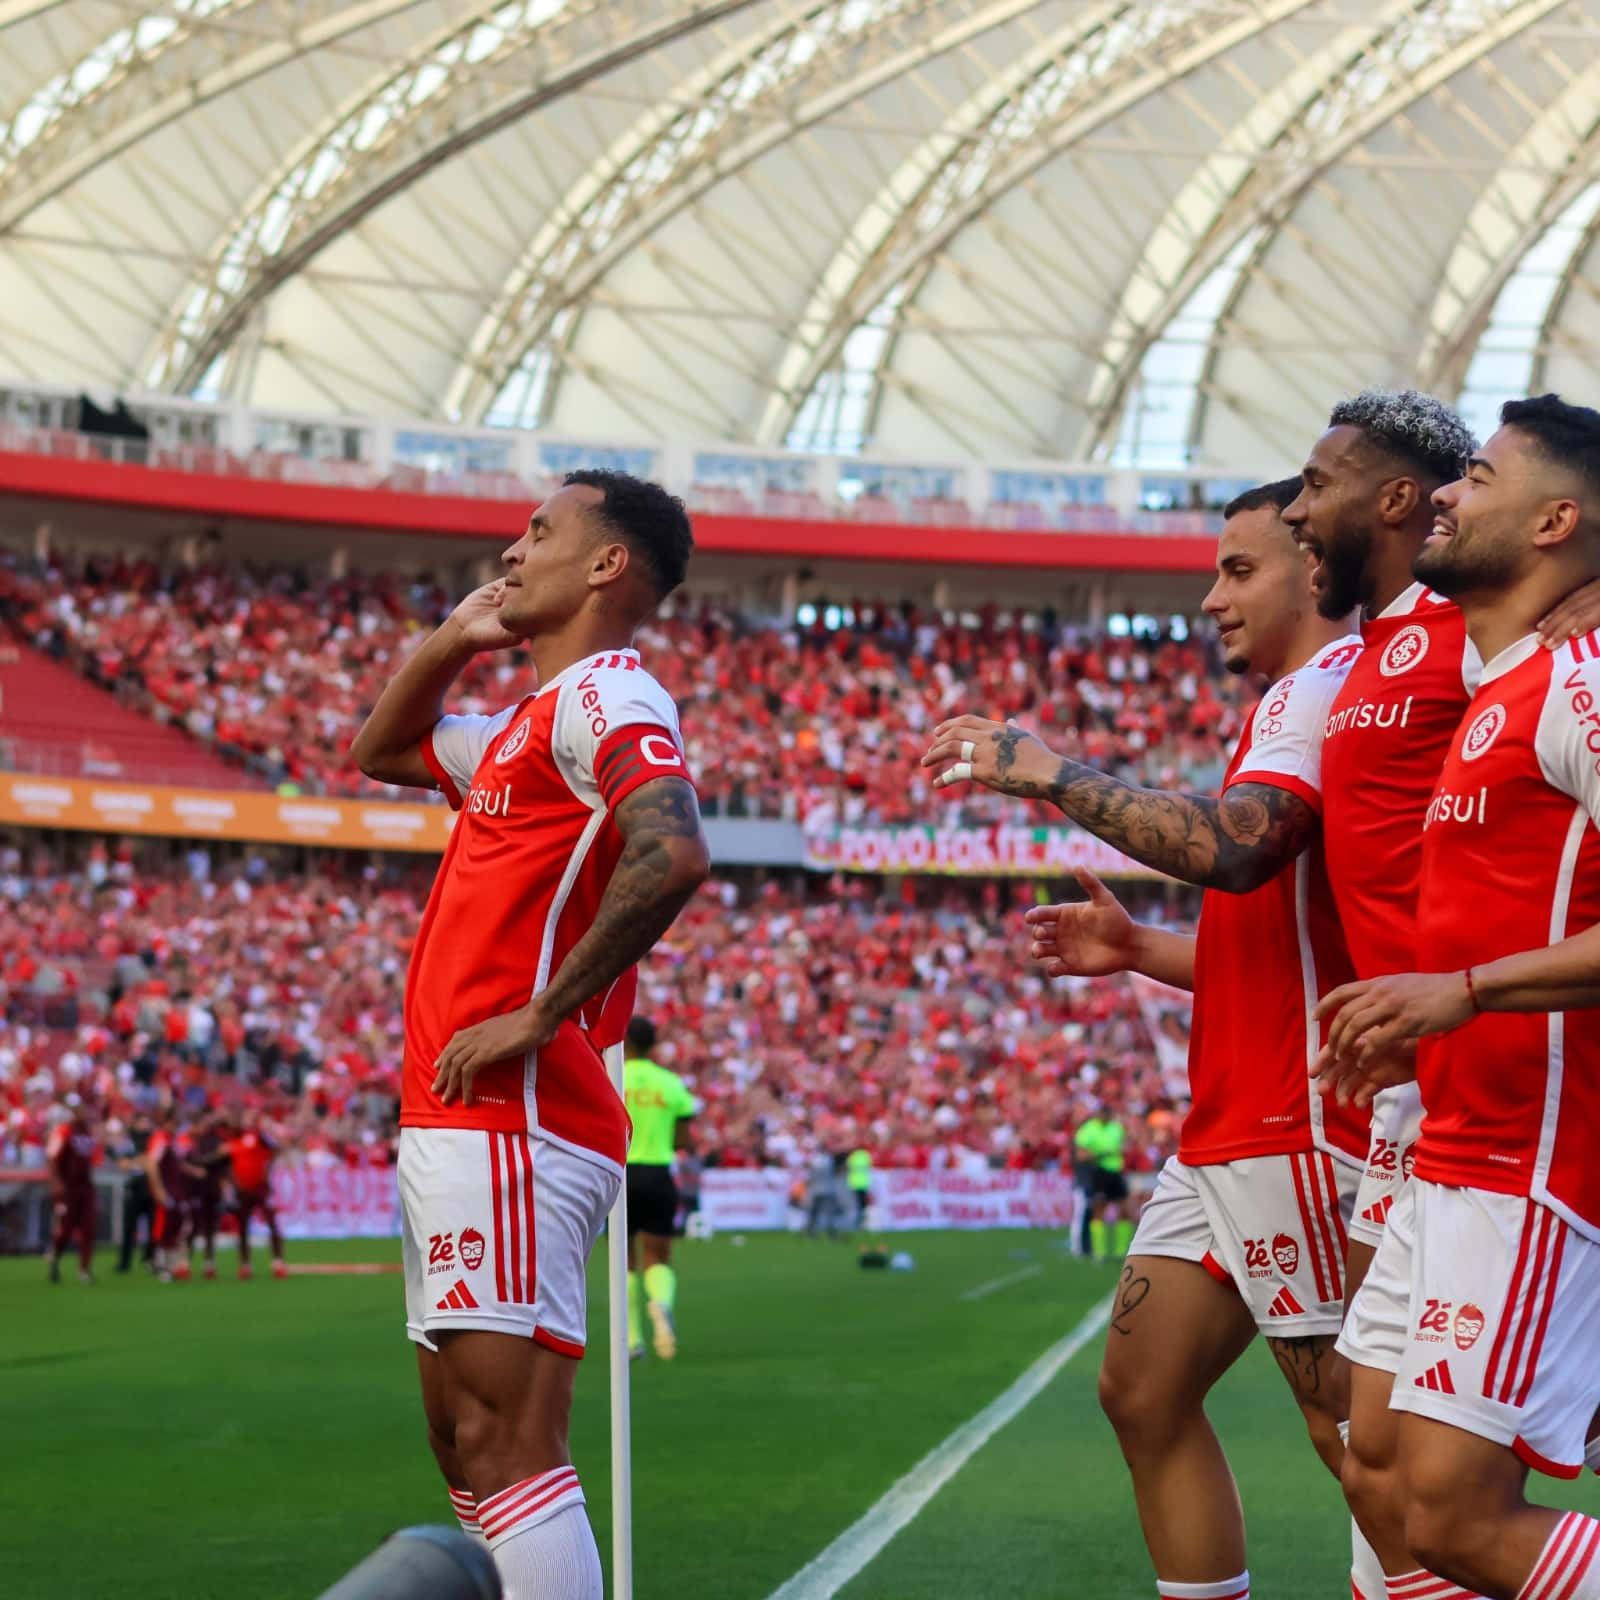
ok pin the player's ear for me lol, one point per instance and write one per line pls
(1397, 499)
(609, 562)
(1557, 522)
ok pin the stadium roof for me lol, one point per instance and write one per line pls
(1158, 231)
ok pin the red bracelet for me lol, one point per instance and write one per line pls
(1472, 994)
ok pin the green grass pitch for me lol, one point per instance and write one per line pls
(252, 1440)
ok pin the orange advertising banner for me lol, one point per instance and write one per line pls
(245, 814)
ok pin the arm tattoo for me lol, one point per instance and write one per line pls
(1132, 1293)
(663, 861)
(1236, 841)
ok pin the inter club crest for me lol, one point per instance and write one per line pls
(470, 1244)
(1484, 730)
(513, 746)
(1405, 650)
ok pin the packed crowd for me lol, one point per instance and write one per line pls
(813, 724)
(822, 1014)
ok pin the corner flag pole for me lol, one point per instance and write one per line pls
(621, 1463)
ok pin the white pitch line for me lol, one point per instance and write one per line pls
(1001, 1283)
(828, 1573)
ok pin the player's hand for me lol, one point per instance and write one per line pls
(1372, 1017)
(1083, 938)
(999, 755)
(1359, 1080)
(478, 619)
(484, 1043)
(1577, 614)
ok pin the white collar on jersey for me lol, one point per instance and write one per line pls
(1512, 656)
(577, 666)
(1403, 603)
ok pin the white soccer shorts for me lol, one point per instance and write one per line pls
(1483, 1307)
(1273, 1227)
(1396, 1122)
(496, 1230)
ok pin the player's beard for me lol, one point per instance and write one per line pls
(1344, 573)
(1464, 564)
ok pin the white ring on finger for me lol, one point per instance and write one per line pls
(968, 751)
(961, 772)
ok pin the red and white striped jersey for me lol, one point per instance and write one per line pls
(1510, 862)
(1264, 959)
(522, 878)
(1388, 730)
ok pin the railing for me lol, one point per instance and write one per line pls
(729, 480)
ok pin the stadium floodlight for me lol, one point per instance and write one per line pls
(422, 1563)
(621, 1454)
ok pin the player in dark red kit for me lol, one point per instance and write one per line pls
(169, 1183)
(251, 1152)
(72, 1152)
(206, 1166)
(577, 843)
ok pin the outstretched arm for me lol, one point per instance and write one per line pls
(1235, 842)
(664, 860)
(1096, 937)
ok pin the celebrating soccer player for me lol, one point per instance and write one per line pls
(1474, 1328)
(251, 1152)
(578, 842)
(1246, 1228)
(72, 1153)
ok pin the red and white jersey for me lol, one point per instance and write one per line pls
(1264, 959)
(1510, 862)
(521, 881)
(1388, 730)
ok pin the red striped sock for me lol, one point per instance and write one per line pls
(1568, 1567)
(502, 1516)
(1420, 1585)
(1229, 1589)
(466, 1509)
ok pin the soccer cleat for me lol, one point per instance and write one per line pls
(280, 1269)
(183, 1272)
(210, 1270)
(84, 1275)
(666, 1336)
(53, 1269)
(246, 1272)
(636, 1352)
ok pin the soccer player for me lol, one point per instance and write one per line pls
(251, 1152)
(1474, 1328)
(1364, 511)
(659, 1104)
(163, 1166)
(1245, 1230)
(577, 842)
(72, 1153)
(204, 1167)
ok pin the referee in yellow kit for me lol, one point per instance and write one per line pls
(659, 1103)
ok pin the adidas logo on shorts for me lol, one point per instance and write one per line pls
(1437, 1378)
(1285, 1305)
(459, 1299)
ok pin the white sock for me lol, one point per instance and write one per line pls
(1420, 1585)
(1568, 1567)
(1230, 1589)
(541, 1538)
(466, 1510)
(1366, 1570)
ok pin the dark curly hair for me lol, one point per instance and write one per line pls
(653, 523)
(1566, 434)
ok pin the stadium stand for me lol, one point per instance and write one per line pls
(273, 670)
(815, 1011)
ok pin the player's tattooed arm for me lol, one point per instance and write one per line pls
(664, 860)
(1235, 841)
